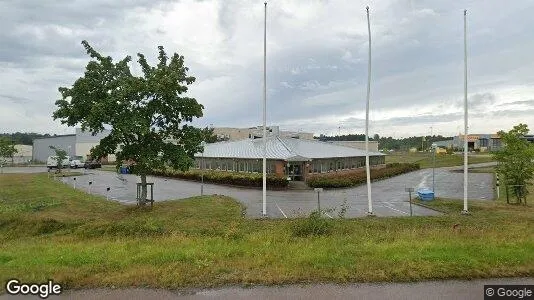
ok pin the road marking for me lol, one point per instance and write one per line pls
(275, 203)
(388, 206)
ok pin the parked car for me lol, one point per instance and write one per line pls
(76, 163)
(51, 162)
(92, 164)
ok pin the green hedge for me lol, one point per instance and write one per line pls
(353, 178)
(231, 178)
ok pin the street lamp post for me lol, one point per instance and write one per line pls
(203, 144)
(465, 211)
(367, 167)
(433, 166)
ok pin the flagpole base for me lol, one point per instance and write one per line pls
(465, 212)
(371, 214)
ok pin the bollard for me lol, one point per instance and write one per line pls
(498, 189)
(410, 190)
(74, 182)
(90, 183)
(107, 193)
(318, 191)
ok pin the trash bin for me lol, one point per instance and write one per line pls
(124, 170)
(425, 194)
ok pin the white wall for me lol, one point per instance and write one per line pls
(84, 149)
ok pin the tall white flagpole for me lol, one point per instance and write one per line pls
(264, 210)
(367, 167)
(465, 211)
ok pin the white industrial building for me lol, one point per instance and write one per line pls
(76, 145)
(236, 134)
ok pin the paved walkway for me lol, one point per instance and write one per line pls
(450, 289)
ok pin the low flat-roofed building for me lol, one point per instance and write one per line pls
(295, 158)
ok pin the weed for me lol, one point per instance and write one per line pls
(314, 224)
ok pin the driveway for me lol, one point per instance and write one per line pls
(389, 197)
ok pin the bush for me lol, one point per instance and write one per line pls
(314, 224)
(222, 177)
(354, 178)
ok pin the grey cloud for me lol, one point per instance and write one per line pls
(523, 114)
(30, 30)
(478, 101)
(16, 99)
(521, 102)
(417, 58)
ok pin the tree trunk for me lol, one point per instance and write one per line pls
(142, 197)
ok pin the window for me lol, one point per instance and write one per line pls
(316, 167)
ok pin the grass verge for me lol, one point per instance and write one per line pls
(48, 230)
(425, 159)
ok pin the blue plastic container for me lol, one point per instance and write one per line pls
(124, 170)
(425, 194)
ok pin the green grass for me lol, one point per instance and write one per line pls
(48, 230)
(424, 159)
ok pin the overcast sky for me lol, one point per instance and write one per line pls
(316, 60)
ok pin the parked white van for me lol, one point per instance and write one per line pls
(51, 162)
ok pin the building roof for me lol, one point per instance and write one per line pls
(288, 149)
(54, 136)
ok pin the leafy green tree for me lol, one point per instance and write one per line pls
(516, 160)
(23, 138)
(209, 137)
(61, 155)
(7, 149)
(145, 112)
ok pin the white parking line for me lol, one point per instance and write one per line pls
(275, 203)
(388, 206)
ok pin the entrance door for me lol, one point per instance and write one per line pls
(470, 146)
(295, 171)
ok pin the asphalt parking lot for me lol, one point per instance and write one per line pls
(389, 196)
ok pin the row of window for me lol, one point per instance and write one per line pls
(255, 165)
(248, 165)
(321, 166)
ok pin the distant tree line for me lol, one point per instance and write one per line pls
(24, 138)
(389, 143)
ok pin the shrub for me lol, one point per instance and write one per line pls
(357, 177)
(223, 177)
(314, 224)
